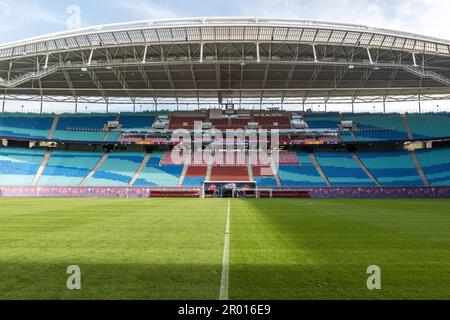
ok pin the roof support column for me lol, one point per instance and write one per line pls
(90, 57)
(370, 56)
(46, 62)
(258, 56)
(144, 56)
(201, 53)
(414, 59)
(315, 53)
(420, 103)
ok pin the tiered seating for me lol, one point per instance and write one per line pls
(346, 136)
(288, 158)
(238, 123)
(304, 174)
(25, 125)
(200, 159)
(221, 124)
(342, 170)
(88, 127)
(18, 167)
(429, 125)
(221, 173)
(275, 122)
(322, 120)
(118, 169)
(376, 127)
(231, 159)
(259, 158)
(113, 137)
(137, 122)
(391, 168)
(158, 174)
(195, 176)
(264, 177)
(68, 168)
(178, 122)
(436, 165)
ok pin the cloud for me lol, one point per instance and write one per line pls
(16, 15)
(418, 16)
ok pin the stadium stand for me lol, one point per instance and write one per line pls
(158, 174)
(376, 127)
(118, 169)
(68, 168)
(436, 165)
(264, 177)
(273, 122)
(429, 125)
(322, 120)
(187, 123)
(137, 121)
(25, 125)
(195, 176)
(288, 158)
(224, 173)
(341, 170)
(18, 166)
(391, 168)
(302, 174)
(238, 123)
(84, 127)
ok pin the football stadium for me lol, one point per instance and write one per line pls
(225, 158)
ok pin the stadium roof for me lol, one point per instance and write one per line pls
(225, 58)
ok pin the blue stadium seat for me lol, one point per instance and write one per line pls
(159, 175)
(82, 123)
(342, 170)
(19, 166)
(376, 127)
(137, 122)
(303, 175)
(429, 125)
(118, 169)
(391, 168)
(69, 168)
(25, 125)
(193, 181)
(436, 165)
(323, 120)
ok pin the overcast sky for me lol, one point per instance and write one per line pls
(20, 19)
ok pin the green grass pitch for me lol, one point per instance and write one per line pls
(173, 248)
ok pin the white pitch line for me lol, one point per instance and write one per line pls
(226, 258)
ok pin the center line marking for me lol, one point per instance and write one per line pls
(226, 258)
